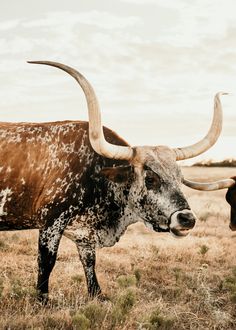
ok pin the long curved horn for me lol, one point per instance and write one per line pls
(210, 186)
(210, 139)
(96, 136)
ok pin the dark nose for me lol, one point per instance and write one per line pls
(186, 220)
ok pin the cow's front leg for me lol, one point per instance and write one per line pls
(88, 258)
(48, 246)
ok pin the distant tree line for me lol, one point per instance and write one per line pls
(210, 163)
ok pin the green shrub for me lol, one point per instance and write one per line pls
(122, 307)
(233, 297)
(137, 274)
(77, 279)
(80, 321)
(95, 313)
(1, 287)
(203, 249)
(230, 285)
(177, 273)
(158, 321)
(155, 250)
(126, 301)
(17, 290)
(3, 246)
(117, 316)
(234, 271)
(124, 281)
(54, 322)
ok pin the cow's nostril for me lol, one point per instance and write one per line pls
(186, 219)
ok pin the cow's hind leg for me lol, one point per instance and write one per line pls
(48, 246)
(88, 259)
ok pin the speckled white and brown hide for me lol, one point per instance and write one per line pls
(47, 171)
(51, 179)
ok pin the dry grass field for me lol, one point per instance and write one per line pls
(153, 280)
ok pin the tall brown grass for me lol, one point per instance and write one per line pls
(154, 281)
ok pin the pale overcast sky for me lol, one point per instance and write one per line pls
(154, 64)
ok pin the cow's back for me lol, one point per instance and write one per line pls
(43, 168)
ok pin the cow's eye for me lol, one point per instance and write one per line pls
(149, 183)
(152, 180)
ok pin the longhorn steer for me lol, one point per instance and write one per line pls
(85, 182)
(231, 199)
(220, 184)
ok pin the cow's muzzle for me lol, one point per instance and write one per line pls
(181, 222)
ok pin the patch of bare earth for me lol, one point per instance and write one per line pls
(154, 281)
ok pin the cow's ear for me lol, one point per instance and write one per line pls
(119, 174)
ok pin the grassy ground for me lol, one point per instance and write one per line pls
(154, 281)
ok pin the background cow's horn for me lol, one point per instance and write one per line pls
(211, 137)
(96, 136)
(210, 186)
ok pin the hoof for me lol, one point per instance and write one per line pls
(42, 298)
(103, 297)
(99, 296)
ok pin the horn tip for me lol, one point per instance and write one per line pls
(221, 93)
(34, 62)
